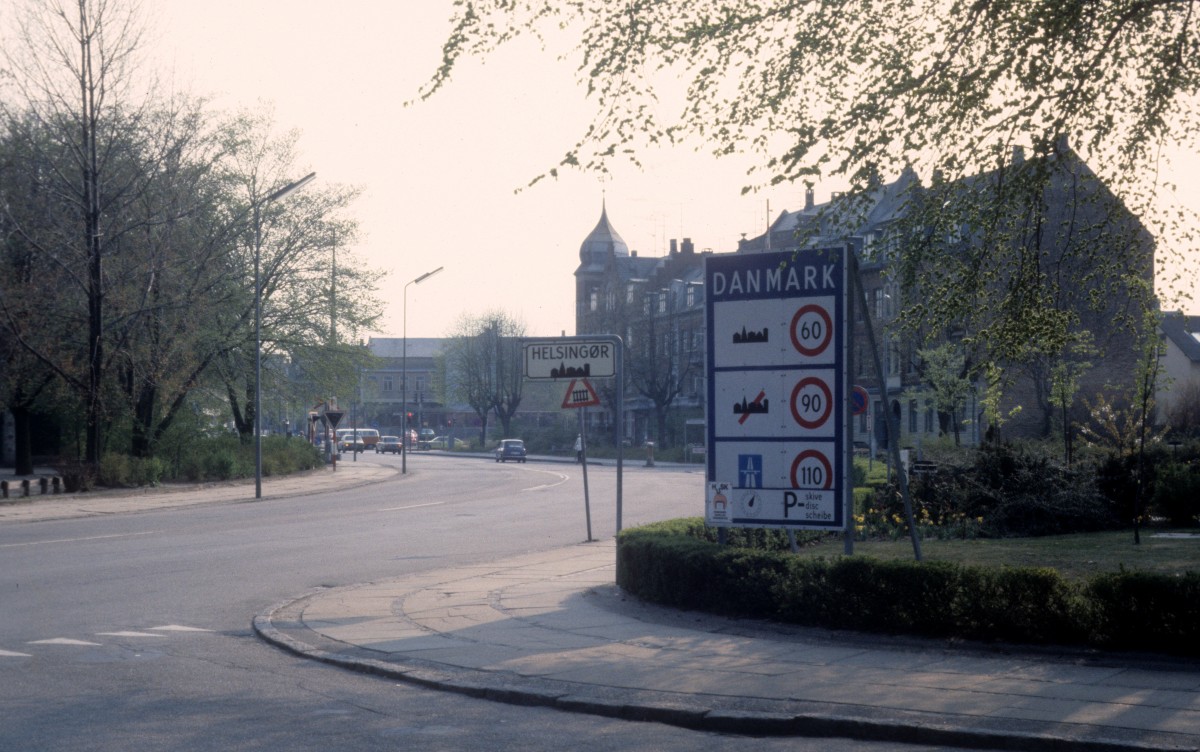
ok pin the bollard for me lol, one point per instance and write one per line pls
(44, 485)
(649, 454)
(4, 488)
(24, 486)
(56, 483)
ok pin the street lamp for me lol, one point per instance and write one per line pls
(404, 372)
(280, 193)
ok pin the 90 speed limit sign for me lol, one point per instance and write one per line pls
(812, 402)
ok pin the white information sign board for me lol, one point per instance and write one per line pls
(570, 358)
(776, 389)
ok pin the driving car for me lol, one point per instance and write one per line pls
(510, 449)
(425, 438)
(388, 444)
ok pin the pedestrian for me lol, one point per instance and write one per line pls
(579, 448)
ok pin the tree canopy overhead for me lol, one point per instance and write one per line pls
(854, 88)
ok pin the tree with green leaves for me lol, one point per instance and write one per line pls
(946, 369)
(953, 90)
(128, 241)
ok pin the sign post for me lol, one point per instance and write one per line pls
(333, 417)
(580, 358)
(777, 390)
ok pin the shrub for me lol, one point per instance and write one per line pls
(670, 563)
(1142, 610)
(77, 475)
(114, 470)
(1176, 494)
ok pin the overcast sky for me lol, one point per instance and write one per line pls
(439, 176)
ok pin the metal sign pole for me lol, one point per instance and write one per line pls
(848, 429)
(620, 356)
(587, 505)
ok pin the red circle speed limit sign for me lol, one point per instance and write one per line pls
(811, 469)
(812, 402)
(812, 330)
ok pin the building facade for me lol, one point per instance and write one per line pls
(657, 305)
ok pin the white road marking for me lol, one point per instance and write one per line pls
(413, 506)
(178, 628)
(561, 479)
(11, 654)
(64, 641)
(128, 634)
(77, 540)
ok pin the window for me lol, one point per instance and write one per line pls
(691, 296)
(594, 300)
(912, 416)
(893, 366)
(387, 384)
(877, 294)
(929, 416)
(662, 302)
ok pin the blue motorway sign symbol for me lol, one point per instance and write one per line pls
(776, 389)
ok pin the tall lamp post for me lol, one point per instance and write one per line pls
(404, 372)
(278, 194)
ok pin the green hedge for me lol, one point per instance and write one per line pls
(670, 564)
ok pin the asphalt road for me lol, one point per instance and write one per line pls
(132, 631)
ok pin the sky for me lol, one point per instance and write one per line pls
(442, 178)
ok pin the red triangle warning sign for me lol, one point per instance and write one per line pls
(580, 394)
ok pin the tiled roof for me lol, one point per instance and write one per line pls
(1182, 331)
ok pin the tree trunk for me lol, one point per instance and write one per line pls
(22, 420)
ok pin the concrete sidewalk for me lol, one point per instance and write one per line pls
(552, 629)
(38, 507)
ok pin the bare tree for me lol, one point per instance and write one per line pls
(483, 367)
(72, 63)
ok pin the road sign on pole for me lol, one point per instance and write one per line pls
(594, 356)
(580, 394)
(334, 417)
(777, 389)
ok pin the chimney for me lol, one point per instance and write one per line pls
(688, 247)
(674, 247)
(808, 198)
(633, 254)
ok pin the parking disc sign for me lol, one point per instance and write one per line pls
(776, 389)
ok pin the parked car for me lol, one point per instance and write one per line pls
(510, 449)
(388, 444)
(425, 438)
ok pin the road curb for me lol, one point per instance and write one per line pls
(801, 719)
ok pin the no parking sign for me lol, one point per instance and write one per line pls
(777, 390)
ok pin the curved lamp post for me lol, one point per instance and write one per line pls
(278, 194)
(404, 373)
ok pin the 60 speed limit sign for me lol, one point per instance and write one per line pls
(812, 330)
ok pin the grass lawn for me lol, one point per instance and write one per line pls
(1075, 556)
